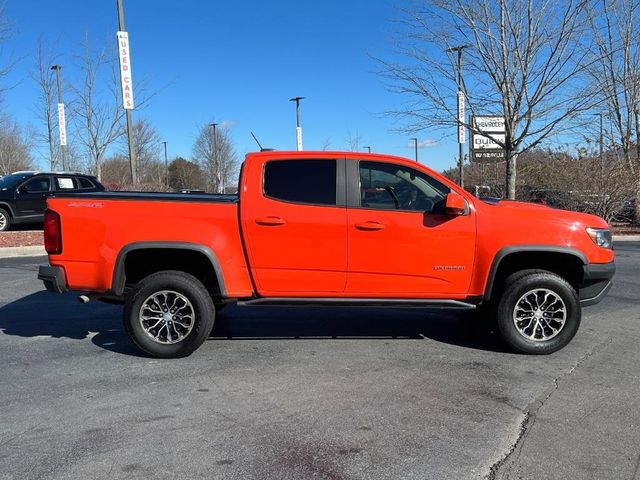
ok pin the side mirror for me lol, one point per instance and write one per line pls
(455, 204)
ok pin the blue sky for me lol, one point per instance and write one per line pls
(236, 62)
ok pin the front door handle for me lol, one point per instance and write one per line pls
(369, 226)
(270, 221)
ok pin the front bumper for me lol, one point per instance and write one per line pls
(596, 282)
(53, 278)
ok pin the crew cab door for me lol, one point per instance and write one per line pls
(295, 226)
(401, 242)
(31, 197)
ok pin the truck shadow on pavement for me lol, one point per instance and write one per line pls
(62, 316)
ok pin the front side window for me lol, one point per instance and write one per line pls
(385, 186)
(301, 181)
(35, 185)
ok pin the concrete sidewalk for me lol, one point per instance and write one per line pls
(626, 238)
(29, 251)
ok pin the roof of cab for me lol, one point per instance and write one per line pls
(327, 154)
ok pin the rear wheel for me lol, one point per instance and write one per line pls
(169, 314)
(5, 220)
(538, 313)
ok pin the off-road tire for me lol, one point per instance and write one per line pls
(519, 284)
(183, 284)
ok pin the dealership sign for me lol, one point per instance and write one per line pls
(487, 135)
(125, 70)
(62, 125)
(461, 118)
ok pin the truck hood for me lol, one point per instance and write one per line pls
(554, 215)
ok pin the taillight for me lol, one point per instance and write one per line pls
(52, 233)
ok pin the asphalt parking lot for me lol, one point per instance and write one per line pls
(298, 393)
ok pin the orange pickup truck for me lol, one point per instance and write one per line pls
(327, 228)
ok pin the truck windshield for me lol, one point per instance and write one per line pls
(11, 181)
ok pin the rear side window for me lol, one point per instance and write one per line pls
(84, 183)
(301, 181)
(65, 183)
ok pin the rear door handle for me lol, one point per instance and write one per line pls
(369, 226)
(270, 221)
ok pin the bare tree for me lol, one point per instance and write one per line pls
(353, 141)
(116, 173)
(45, 103)
(220, 164)
(15, 149)
(526, 63)
(326, 144)
(97, 111)
(147, 150)
(6, 31)
(616, 76)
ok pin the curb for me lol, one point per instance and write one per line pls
(626, 238)
(30, 251)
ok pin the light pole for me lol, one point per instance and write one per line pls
(298, 127)
(461, 116)
(62, 128)
(215, 157)
(601, 139)
(166, 164)
(132, 150)
(368, 148)
(415, 144)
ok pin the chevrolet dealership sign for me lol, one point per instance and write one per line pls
(484, 145)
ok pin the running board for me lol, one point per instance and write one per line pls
(355, 302)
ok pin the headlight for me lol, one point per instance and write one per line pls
(601, 237)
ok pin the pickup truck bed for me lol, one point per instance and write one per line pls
(96, 258)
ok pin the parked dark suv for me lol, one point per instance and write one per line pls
(23, 195)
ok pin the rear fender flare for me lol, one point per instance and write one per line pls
(119, 278)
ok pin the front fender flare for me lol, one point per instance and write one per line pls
(506, 251)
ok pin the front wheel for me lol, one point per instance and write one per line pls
(538, 313)
(169, 314)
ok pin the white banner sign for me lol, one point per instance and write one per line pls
(489, 124)
(480, 142)
(299, 137)
(461, 118)
(62, 124)
(125, 70)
